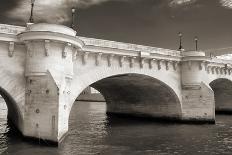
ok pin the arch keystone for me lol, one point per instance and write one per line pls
(142, 61)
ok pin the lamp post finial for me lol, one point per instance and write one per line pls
(73, 12)
(180, 41)
(196, 42)
(31, 20)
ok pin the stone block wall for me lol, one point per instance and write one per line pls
(198, 103)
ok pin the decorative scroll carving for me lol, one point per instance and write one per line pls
(121, 60)
(158, 64)
(85, 56)
(201, 65)
(206, 66)
(175, 64)
(167, 65)
(11, 49)
(46, 47)
(217, 70)
(225, 71)
(64, 52)
(110, 59)
(212, 69)
(98, 59)
(221, 70)
(74, 51)
(208, 69)
(151, 63)
(229, 71)
(132, 61)
(142, 61)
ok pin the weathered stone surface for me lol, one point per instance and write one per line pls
(139, 94)
(198, 103)
(45, 67)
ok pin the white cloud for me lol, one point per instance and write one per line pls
(52, 11)
(226, 3)
(175, 3)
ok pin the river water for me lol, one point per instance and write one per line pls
(93, 132)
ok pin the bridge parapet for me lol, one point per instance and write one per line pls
(205, 62)
(43, 31)
(127, 48)
(219, 67)
(44, 27)
(8, 33)
(219, 52)
(11, 29)
(221, 61)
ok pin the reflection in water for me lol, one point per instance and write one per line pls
(3, 125)
(93, 132)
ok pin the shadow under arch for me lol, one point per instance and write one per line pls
(222, 88)
(139, 95)
(14, 117)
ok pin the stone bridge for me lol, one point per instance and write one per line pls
(44, 68)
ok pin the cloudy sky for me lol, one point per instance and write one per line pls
(148, 22)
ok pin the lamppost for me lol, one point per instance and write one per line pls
(196, 42)
(31, 20)
(73, 12)
(180, 39)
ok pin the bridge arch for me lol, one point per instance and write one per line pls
(85, 78)
(14, 114)
(222, 88)
(135, 93)
(12, 89)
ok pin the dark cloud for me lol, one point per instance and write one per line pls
(53, 11)
(149, 22)
(153, 22)
(8, 5)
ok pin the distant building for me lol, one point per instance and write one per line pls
(91, 94)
